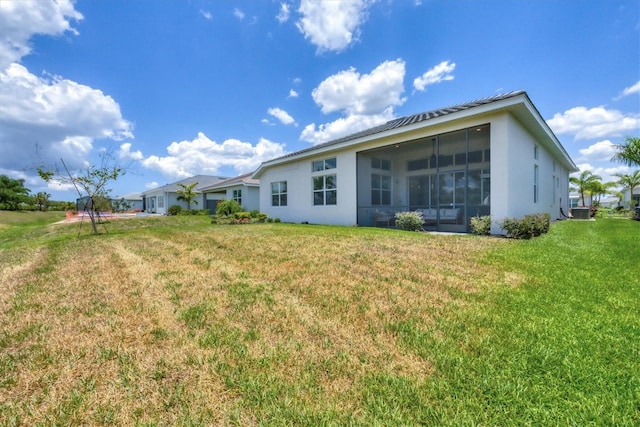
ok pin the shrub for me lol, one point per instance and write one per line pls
(242, 215)
(409, 221)
(174, 210)
(228, 208)
(481, 225)
(529, 226)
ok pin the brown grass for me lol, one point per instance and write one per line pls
(200, 325)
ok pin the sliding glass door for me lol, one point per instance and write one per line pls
(451, 201)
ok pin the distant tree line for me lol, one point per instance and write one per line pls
(15, 196)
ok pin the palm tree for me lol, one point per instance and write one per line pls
(585, 183)
(42, 200)
(629, 152)
(629, 181)
(599, 189)
(188, 194)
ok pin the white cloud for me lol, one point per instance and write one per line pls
(151, 185)
(366, 100)
(20, 20)
(207, 15)
(204, 156)
(439, 73)
(281, 115)
(597, 122)
(602, 150)
(292, 94)
(58, 116)
(126, 153)
(608, 174)
(238, 14)
(629, 90)
(283, 15)
(332, 25)
(344, 126)
(371, 93)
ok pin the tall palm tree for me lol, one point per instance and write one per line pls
(585, 183)
(188, 194)
(630, 181)
(629, 152)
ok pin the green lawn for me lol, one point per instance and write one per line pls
(174, 321)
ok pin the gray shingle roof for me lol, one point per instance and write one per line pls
(202, 180)
(244, 179)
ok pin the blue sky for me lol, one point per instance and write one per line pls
(176, 88)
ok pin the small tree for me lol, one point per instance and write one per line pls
(90, 181)
(188, 194)
(42, 200)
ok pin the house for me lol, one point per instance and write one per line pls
(493, 156)
(159, 199)
(131, 202)
(243, 189)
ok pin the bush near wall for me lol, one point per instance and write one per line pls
(481, 225)
(529, 226)
(409, 221)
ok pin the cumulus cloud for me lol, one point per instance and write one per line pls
(60, 117)
(20, 20)
(206, 14)
(597, 122)
(292, 94)
(602, 150)
(332, 25)
(629, 91)
(608, 174)
(283, 15)
(344, 126)
(281, 115)
(441, 72)
(353, 93)
(126, 153)
(365, 100)
(204, 156)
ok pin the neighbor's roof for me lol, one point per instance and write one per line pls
(245, 180)
(132, 196)
(433, 115)
(202, 180)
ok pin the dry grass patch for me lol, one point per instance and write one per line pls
(218, 325)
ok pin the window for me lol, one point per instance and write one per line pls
(535, 183)
(380, 190)
(279, 193)
(535, 152)
(320, 165)
(383, 164)
(161, 202)
(237, 196)
(324, 190)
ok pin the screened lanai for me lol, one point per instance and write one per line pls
(446, 177)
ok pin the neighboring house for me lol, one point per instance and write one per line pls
(159, 199)
(243, 189)
(491, 156)
(131, 202)
(628, 197)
